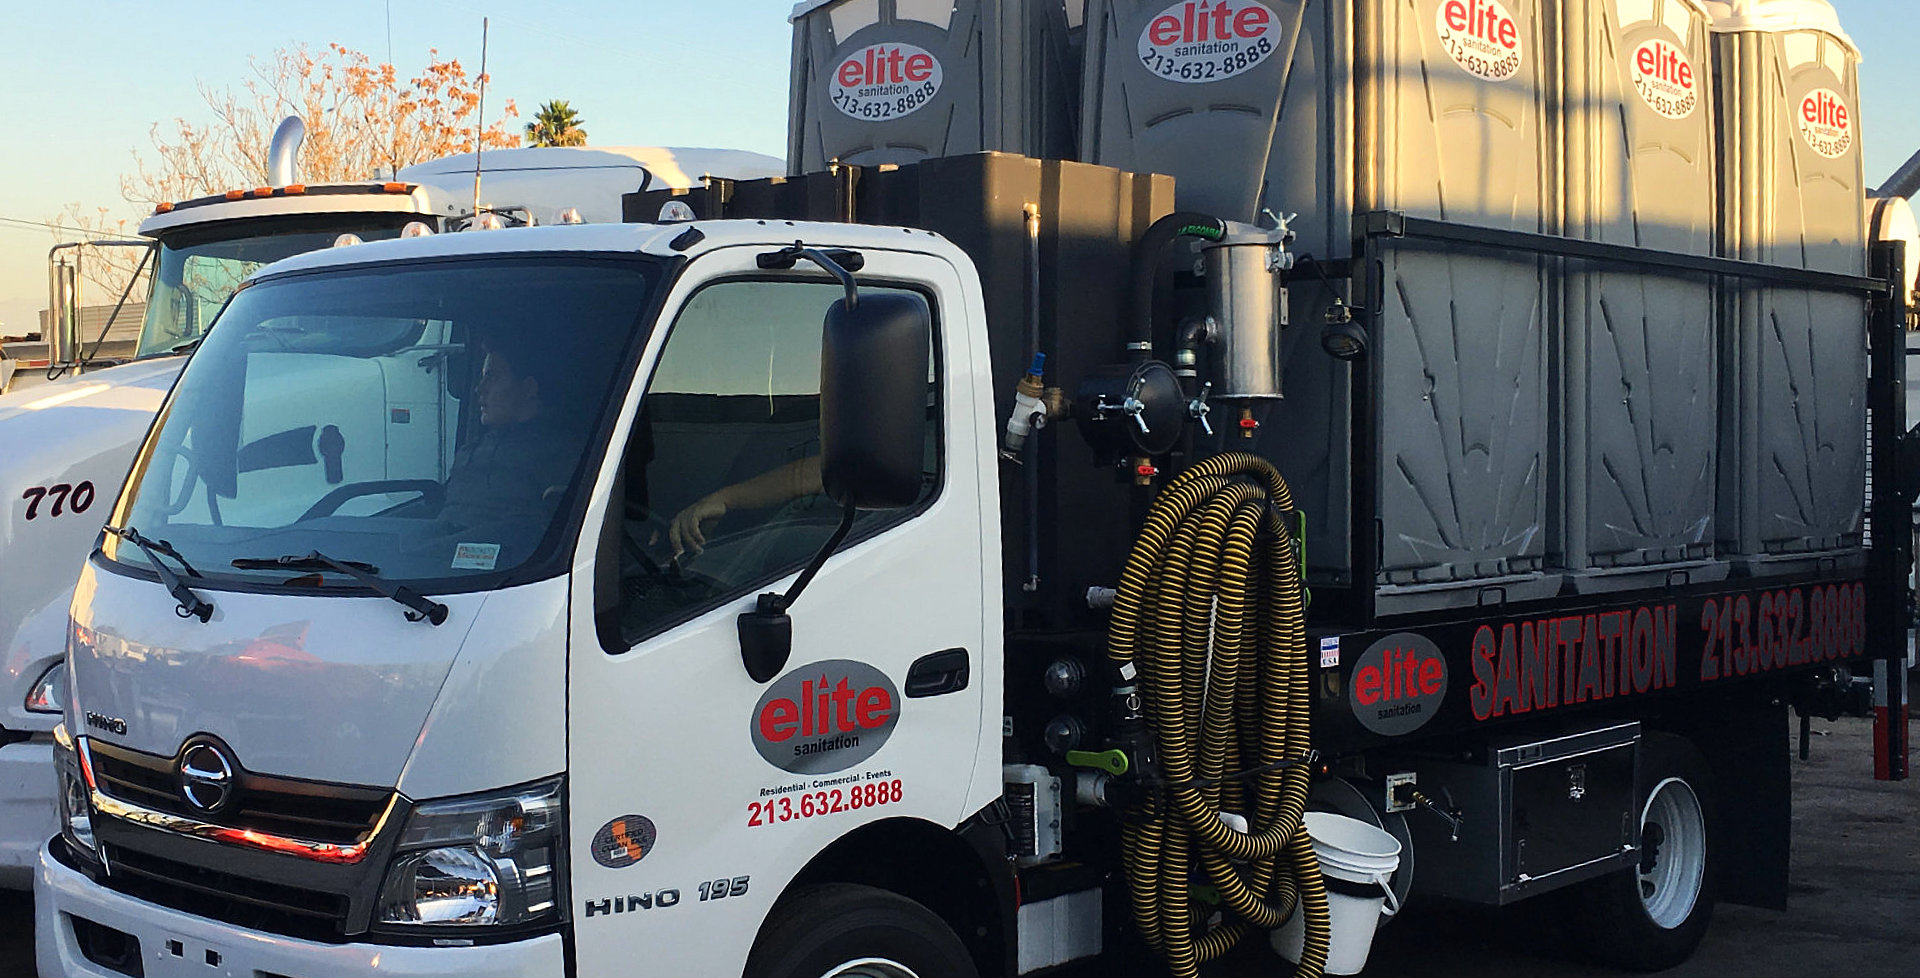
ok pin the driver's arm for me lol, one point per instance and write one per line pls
(771, 488)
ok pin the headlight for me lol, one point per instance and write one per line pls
(491, 860)
(49, 693)
(76, 808)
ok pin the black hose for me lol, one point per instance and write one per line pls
(1146, 260)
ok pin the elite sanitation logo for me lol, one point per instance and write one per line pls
(825, 717)
(1665, 79)
(1825, 123)
(1207, 40)
(1398, 684)
(885, 81)
(1481, 37)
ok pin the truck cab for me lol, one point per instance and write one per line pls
(486, 711)
(69, 441)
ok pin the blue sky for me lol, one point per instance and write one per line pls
(84, 81)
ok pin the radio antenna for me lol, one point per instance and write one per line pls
(480, 120)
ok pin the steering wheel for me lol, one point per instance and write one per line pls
(432, 492)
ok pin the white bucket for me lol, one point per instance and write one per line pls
(1358, 859)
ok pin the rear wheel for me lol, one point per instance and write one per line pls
(845, 931)
(1651, 917)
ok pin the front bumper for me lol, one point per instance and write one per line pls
(27, 812)
(178, 945)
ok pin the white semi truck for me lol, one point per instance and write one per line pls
(66, 445)
(980, 564)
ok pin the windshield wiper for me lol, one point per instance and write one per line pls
(419, 607)
(190, 604)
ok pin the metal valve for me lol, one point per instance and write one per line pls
(1198, 409)
(1131, 406)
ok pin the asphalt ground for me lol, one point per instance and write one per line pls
(1854, 910)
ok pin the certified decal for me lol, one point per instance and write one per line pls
(825, 717)
(885, 81)
(1398, 684)
(1825, 123)
(1481, 37)
(624, 841)
(1665, 79)
(475, 556)
(1208, 40)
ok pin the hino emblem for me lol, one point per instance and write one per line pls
(109, 724)
(206, 776)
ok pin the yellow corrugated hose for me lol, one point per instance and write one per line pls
(1210, 614)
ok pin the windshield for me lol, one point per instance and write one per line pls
(200, 267)
(429, 423)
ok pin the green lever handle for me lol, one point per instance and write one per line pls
(1113, 762)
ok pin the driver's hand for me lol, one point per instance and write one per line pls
(685, 533)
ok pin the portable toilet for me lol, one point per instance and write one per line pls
(1789, 91)
(1325, 109)
(1639, 362)
(896, 81)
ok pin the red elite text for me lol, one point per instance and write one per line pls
(1481, 19)
(1204, 21)
(1406, 674)
(881, 66)
(1822, 109)
(823, 711)
(1665, 63)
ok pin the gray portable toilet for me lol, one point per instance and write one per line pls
(1327, 108)
(1455, 129)
(895, 81)
(1639, 362)
(1789, 91)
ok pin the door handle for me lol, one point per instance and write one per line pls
(937, 673)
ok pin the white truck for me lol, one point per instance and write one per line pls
(979, 564)
(65, 446)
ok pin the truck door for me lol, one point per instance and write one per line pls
(696, 793)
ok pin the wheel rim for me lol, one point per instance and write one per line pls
(1673, 862)
(870, 968)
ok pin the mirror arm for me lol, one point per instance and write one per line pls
(766, 632)
(819, 559)
(838, 262)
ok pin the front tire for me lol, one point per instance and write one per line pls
(1651, 917)
(845, 931)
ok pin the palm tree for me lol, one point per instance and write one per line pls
(556, 124)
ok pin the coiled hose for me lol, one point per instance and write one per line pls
(1210, 615)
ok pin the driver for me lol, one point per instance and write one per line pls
(518, 467)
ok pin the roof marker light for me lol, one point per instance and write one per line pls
(416, 229)
(571, 216)
(348, 238)
(235, 194)
(394, 187)
(675, 212)
(487, 222)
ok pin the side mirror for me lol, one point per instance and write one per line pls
(874, 352)
(873, 400)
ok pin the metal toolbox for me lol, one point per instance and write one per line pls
(1532, 816)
